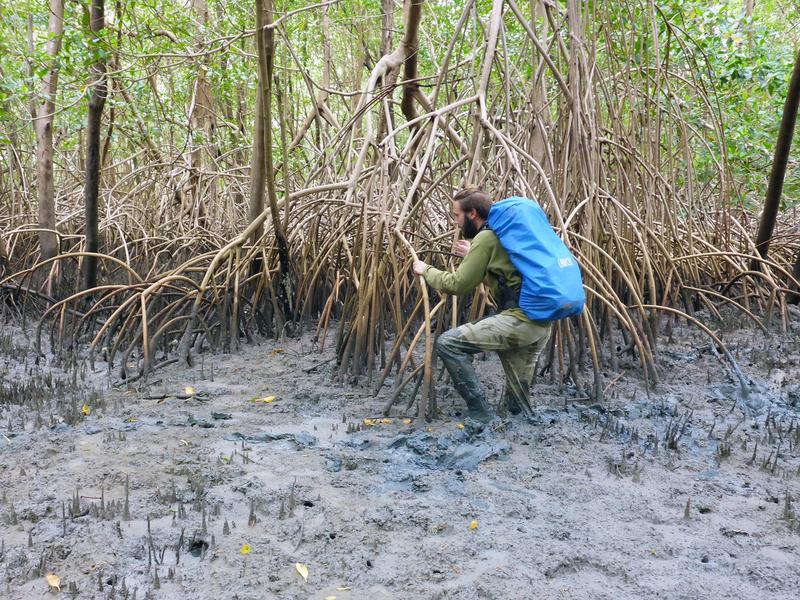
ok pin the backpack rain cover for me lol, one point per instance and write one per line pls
(552, 288)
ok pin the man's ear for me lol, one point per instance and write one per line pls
(472, 214)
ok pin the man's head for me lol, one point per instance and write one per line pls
(471, 209)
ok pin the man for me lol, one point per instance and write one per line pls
(516, 339)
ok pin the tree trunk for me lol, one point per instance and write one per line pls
(264, 173)
(3, 257)
(779, 161)
(96, 103)
(387, 25)
(43, 117)
(388, 65)
(537, 142)
(110, 92)
(257, 178)
(411, 43)
(386, 119)
(202, 119)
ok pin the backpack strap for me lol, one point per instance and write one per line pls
(509, 297)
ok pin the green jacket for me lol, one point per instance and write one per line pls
(485, 262)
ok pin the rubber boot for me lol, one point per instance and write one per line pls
(479, 409)
(512, 405)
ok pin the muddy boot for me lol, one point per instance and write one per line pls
(479, 409)
(513, 406)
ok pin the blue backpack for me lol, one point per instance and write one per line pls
(551, 279)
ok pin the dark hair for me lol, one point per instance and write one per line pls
(474, 199)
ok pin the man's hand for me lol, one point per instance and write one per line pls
(462, 247)
(419, 267)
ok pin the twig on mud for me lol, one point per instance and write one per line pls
(318, 365)
(300, 539)
(613, 383)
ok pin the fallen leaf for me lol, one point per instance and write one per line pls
(184, 442)
(54, 581)
(384, 421)
(407, 421)
(429, 429)
(344, 588)
(85, 410)
(330, 597)
(277, 351)
(460, 425)
(264, 400)
(473, 525)
(245, 549)
(302, 569)
(189, 390)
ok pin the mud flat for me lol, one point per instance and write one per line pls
(239, 477)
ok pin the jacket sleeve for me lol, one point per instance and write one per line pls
(468, 275)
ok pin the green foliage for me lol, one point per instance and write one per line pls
(154, 51)
(748, 62)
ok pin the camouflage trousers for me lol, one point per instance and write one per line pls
(518, 343)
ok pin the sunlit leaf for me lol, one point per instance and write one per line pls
(473, 525)
(302, 569)
(383, 421)
(189, 390)
(86, 410)
(264, 400)
(54, 581)
(245, 549)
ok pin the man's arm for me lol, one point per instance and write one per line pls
(468, 275)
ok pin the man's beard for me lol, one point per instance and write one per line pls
(469, 230)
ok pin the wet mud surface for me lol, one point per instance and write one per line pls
(688, 490)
